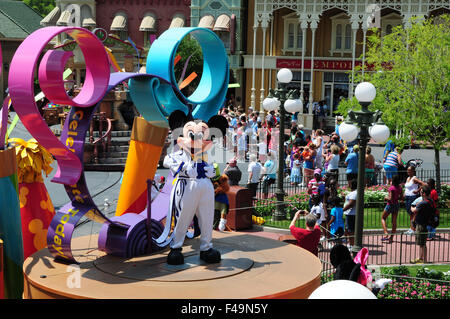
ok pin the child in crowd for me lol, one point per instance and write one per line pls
(395, 194)
(296, 177)
(318, 211)
(336, 222)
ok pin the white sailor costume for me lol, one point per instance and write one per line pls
(192, 194)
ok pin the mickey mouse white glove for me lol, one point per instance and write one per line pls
(210, 172)
(381, 283)
(191, 170)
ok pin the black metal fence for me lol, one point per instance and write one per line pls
(373, 212)
(379, 180)
(402, 250)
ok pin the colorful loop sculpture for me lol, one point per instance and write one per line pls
(154, 94)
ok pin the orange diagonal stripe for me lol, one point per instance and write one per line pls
(177, 58)
(188, 80)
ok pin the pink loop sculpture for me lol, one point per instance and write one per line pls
(21, 82)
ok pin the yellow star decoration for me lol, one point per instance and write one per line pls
(24, 191)
(32, 159)
(40, 238)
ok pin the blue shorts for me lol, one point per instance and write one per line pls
(392, 208)
(391, 171)
(408, 201)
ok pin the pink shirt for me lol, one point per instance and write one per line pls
(395, 194)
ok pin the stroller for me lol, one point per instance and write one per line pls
(416, 162)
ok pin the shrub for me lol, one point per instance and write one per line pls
(395, 271)
(414, 289)
(427, 273)
(445, 192)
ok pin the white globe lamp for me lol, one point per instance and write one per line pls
(342, 289)
(271, 104)
(348, 132)
(293, 105)
(284, 75)
(365, 92)
(379, 132)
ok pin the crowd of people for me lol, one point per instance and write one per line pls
(252, 133)
(312, 161)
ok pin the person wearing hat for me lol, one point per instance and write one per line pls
(233, 172)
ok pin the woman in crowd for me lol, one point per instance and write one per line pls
(412, 186)
(392, 161)
(434, 200)
(269, 171)
(319, 143)
(308, 156)
(332, 162)
(370, 166)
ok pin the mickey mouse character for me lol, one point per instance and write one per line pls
(348, 268)
(193, 192)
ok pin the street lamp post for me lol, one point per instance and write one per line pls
(365, 92)
(286, 101)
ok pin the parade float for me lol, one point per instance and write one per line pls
(131, 256)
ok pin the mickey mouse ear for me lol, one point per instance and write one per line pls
(177, 119)
(220, 122)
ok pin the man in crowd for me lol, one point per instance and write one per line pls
(422, 213)
(352, 165)
(309, 237)
(233, 172)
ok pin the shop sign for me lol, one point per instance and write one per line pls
(319, 64)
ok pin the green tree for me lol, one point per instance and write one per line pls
(190, 52)
(410, 69)
(42, 6)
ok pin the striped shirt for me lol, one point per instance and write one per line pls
(392, 159)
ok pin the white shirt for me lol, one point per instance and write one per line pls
(350, 196)
(334, 162)
(410, 187)
(255, 169)
(319, 212)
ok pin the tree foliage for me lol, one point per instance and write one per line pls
(190, 49)
(43, 7)
(411, 70)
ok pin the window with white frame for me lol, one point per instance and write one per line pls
(293, 35)
(341, 34)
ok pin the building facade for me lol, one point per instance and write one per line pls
(320, 41)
